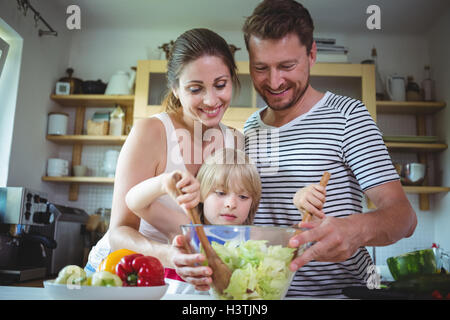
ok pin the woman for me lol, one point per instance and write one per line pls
(201, 73)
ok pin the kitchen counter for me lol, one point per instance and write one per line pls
(33, 293)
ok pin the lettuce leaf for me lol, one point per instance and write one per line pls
(259, 271)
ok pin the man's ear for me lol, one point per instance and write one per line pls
(313, 54)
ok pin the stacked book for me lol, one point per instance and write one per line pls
(328, 51)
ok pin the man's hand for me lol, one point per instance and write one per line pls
(334, 240)
(311, 199)
(188, 265)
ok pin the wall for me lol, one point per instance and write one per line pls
(440, 53)
(44, 60)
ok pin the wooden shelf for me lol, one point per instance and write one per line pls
(99, 180)
(87, 139)
(409, 107)
(425, 189)
(93, 100)
(416, 147)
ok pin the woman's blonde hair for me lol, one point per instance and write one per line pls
(188, 47)
(230, 169)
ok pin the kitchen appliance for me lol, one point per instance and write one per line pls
(121, 83)
(22, 252)
(37, 238)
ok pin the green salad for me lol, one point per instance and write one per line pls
(259, 271)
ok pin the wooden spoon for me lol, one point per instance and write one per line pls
(221, 273)
(306, 215)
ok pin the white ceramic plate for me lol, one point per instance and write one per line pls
(63, 292)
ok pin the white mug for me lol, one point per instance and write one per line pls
(395, 87)
(57, 167)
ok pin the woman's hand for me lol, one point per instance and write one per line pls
(311, 199)
(188, 266)
(189, 186)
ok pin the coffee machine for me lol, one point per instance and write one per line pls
(37, 238)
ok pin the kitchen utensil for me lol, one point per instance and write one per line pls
(93, 87)
(306, 215)
(395, 87)
(57, 167)
(121, 83)
(74, 292)
(75, 83)
(413, 173)
(221, 273)
(57, 123)
(248, 258)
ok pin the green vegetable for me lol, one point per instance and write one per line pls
(71, 275)
(412, 263)
(106, 279)
(259, 271)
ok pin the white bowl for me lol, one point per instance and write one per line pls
(74, 292)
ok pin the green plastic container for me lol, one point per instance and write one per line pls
(418, 262)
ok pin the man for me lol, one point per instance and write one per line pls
(300, 134)
(306, 132)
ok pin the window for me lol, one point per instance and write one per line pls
(4, 47)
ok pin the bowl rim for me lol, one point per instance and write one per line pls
(244, 226)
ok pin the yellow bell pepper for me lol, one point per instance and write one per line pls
(110, 262)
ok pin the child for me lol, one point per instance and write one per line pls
(227, 191)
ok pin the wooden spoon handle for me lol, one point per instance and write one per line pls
(193, 216)
(323, 182)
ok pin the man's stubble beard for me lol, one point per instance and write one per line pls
(290, 103)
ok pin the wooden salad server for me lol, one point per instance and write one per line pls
(221, 273)
(306, 215)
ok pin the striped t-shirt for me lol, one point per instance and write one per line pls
(337, 135)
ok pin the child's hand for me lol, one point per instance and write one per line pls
(189, 186)
(311, 199)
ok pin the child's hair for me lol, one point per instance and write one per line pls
(230, 169)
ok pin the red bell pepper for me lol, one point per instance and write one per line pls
(139, 270)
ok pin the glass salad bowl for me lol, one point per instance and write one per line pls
(258, 257)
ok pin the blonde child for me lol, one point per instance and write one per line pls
(227, 190)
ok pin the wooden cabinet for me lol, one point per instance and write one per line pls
(78, 139)
(151, 87)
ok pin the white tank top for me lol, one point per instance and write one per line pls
(174, 161)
